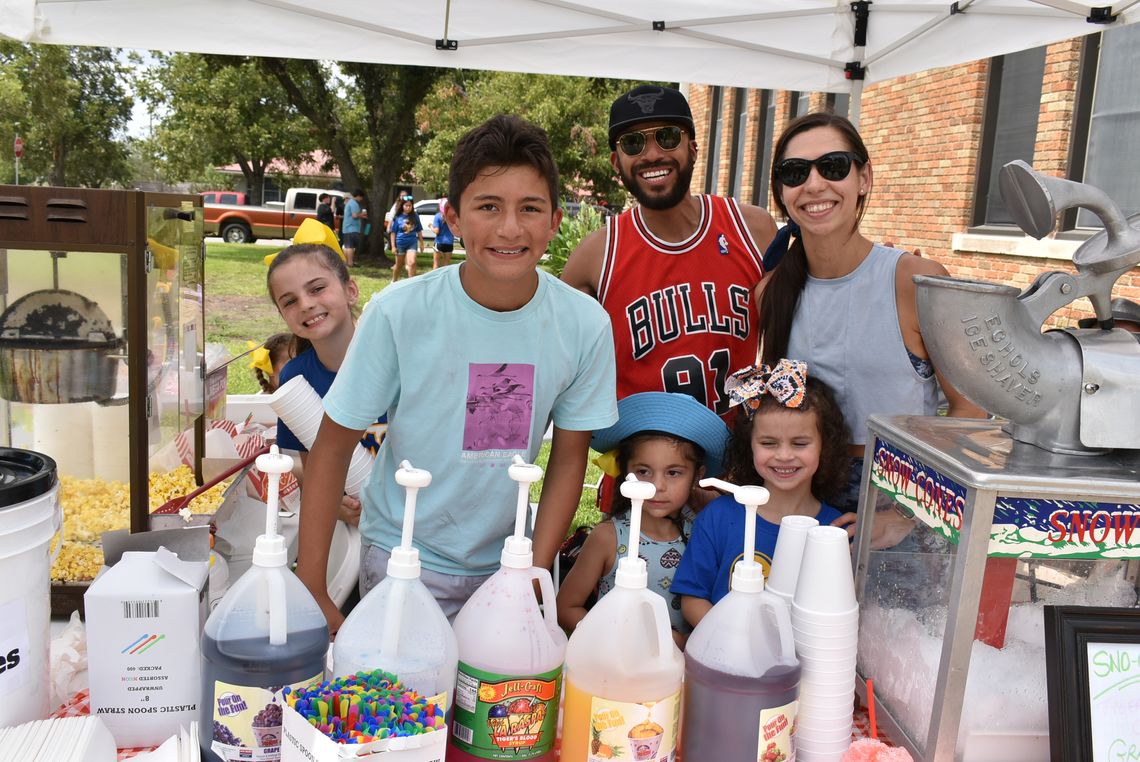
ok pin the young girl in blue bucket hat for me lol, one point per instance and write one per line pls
(672, 441)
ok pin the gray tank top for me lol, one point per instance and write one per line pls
(847, 330)
(661, 560)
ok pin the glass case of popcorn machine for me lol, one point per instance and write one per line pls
(101, 347)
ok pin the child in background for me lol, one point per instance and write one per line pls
(407, 237)
(268, 360)
(672, 441)
(310, 286)
(444, 242)
(471, 364)
(792, 439)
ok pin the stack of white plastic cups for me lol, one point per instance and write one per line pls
(825, 623)
(301, 409)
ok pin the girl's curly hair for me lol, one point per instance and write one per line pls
(830, 477)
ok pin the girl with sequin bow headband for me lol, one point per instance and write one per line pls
(792, 439)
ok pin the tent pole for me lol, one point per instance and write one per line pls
(855, 108)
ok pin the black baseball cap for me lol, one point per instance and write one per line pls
(649, 103)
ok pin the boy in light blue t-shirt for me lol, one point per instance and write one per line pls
(471, 363)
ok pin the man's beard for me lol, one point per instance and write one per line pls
(684, 178)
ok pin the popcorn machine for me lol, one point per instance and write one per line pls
(101, 340)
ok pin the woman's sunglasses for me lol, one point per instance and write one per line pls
(667, 138)
(832, 166)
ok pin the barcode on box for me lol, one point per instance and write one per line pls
(462, 732)
(140, 609)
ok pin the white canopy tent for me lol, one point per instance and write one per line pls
(801, 45)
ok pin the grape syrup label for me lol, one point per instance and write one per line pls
(505, 716)
(247, 722)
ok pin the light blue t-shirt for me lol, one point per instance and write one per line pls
(465, 389)
(351, 224)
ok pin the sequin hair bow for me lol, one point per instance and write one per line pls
(786, 382)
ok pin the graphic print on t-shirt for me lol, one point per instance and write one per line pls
(500, 405)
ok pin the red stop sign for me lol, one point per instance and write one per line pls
(18, 147)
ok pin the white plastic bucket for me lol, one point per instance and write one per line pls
(30, 515)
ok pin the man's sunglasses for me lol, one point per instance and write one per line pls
(832, 166)
(667, 138)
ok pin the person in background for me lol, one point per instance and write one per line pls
(672, 441)
(444, 242)
(353, 225)
(311, 288)
(407, 237)
(841, 303)
(268, 360)
(471, 365)
(791, 439)
(325, 214)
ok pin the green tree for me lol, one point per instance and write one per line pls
(364, 115)
(217, 110)
(574, 111)
(71, 109)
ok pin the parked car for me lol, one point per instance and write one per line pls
(224, 197)
(425, 209)
(238, 223)
(574, 208)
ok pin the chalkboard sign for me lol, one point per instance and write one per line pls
(1092, 662)
(1114, 698)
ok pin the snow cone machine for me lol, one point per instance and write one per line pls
(969, 528)
(101, 341)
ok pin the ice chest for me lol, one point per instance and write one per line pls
(301, 742)
(144, 620)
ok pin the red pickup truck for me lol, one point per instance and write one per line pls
(237, 223)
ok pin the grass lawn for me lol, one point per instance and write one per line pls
(238, 311)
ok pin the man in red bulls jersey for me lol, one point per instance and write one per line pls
(678, 273)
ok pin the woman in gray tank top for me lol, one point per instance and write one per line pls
(838, 301)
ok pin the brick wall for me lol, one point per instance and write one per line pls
(924, 135)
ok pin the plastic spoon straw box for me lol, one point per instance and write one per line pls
(144, 620)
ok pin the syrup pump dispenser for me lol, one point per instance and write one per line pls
(416, 641)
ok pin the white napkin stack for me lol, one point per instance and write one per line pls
(84, 739)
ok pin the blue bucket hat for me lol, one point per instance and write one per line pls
(676, 414)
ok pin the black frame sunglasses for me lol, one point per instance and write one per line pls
(667, 137)
(833, 166)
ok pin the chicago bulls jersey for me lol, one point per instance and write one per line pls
(683, 314)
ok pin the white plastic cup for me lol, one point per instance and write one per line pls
(788, 555)
(823, 750)
(830, 636)
(825, 656)
(808, 621)
(813, 692)
(359, 470)
(826, 584)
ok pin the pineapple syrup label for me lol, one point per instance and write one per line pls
(505, 716)
(645, 732)
(777, 734)
(247, 722)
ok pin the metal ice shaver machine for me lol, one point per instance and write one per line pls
(1001, 517)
